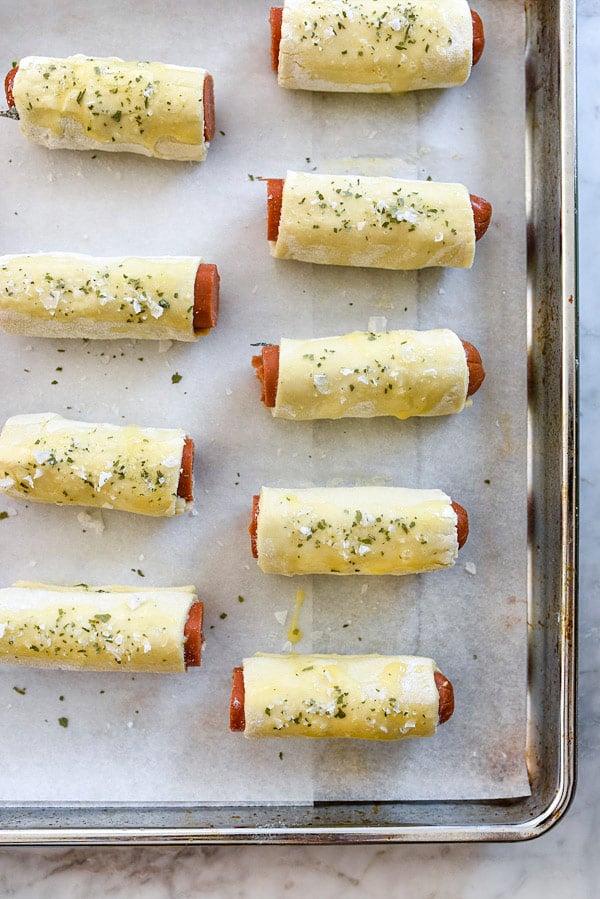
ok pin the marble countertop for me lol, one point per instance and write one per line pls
(563, 863)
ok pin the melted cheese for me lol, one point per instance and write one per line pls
(45, 458)
(96, 628)
(378, 222)
(72, 295)
(85, 103)
(355, 530)
(368, 697)
(375, 46)
(362, 375)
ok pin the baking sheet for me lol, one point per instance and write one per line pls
(166, 739)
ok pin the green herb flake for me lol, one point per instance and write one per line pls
(117, 116)
(241, 599)
(3, 515)
(223, 616)
(64, 722)
(104, 617)
(176, 378)
(20, 690)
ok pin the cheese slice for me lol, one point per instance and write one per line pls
(73, 295)
(375, 46)
(362, 375)
(89, 103)
(355, 530)
(370, 697)
(110, 628)
(378, 222)
(45, 458)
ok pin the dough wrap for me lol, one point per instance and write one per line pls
(362, 375)
(355, 530)
(45, 458)
(375, 46)
(73, 295)
(370, 697)
(378, 222)
(108, 628)
(89, 103)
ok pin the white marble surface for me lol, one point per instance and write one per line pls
(563, 863)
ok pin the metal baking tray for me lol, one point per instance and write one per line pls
(549, 70)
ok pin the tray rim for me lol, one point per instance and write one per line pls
(563, 795)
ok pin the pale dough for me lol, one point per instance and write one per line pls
(378, 222)
(89, 103)
(109, 628)
(365, 374)
(73, 295)
(371, 697)
(375, 46)
(355, 530)
(45, 458)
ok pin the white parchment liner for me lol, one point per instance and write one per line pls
(166, 739)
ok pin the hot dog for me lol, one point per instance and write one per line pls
(237, 715)
(208, 100)
(101, 628)
(323, 696)
(366, 374)
(267, 371)
(360, 530)
(9, 82)
(185, 487)
(45, 458)
(82, 102)
(482, 210)
(482, 215)
(274, 201)
(106, 298)
(476, 369)
(206, 297)
(478, 37)
(194, 636)
(376, 222)
(462, 524)
(276, 17)
(446, 694)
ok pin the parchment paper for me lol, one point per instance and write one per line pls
(166, 738)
